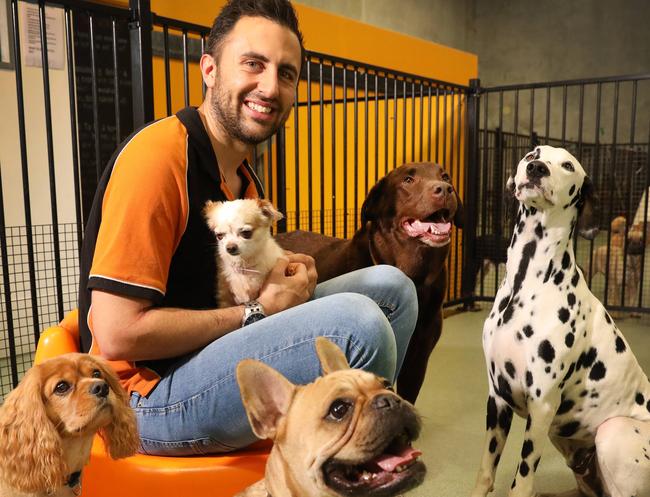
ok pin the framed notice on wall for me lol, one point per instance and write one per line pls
(6, 38)
(30, 34)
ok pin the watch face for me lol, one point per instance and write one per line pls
(253, 318)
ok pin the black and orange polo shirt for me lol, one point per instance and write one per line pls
(146, 236)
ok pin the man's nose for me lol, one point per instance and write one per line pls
(268, 83)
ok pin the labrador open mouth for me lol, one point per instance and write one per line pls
(435, 230)
(396, 469)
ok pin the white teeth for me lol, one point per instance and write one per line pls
(366, 476)
(259, 108)
(400, 468)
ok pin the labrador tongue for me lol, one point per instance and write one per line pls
(418, 228)
(388, 462)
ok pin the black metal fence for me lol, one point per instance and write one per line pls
(352, 123)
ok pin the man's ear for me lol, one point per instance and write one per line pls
(266, 395)
(331, 357)
(588, 225)
(208, 67)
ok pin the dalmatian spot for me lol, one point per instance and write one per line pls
(598, 371)
(503, 304)
(572, 189)
(492, 366)
(523, 469)
(528, 331)
(510, 368)
(491, 418)
(527, 448)
(539, 230)
(566, 260)
(519, 337)
(499, 322)
(594, 395)
(559, 277)
(549, 271)
(538, 392)
(568, 429)
(571, 299)
(493, 445)
(533, 211)
(563, 314)
(520, 227)
(546, 351)
(504, 390)
(514, 240)
(527, 254)
(587, 359)
(569, 372)
(507, 315)
(528, 422)
(584, 393)
(547, 369)
(536, 463)
(529, 379)
(496, 460)
(608, 318)
(640, 399)
(575, 278)
(620, 345)
(514, 483)
(565, 406)
(647, 406)
(569, 339)
(505, 419)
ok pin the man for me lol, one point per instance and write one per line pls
(147, 296)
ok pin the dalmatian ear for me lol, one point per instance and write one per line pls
(587, 211)
(510, 186)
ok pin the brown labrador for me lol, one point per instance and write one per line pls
(405, 222)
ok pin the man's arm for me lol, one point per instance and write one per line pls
(131, 329)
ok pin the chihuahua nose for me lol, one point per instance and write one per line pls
(100, 389)
(442, 189)
(386, 401)
(537, 169)
(232, 249)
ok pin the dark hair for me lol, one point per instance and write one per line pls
(279, 11)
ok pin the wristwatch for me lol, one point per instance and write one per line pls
(253, 311)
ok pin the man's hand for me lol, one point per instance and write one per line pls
(291, 282)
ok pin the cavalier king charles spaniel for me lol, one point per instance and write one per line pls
(47, 425)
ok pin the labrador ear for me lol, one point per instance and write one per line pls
(376, 207)
(587, 210)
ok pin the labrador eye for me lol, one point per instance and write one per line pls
(339, 409)
(219, 236)
(568, 166)
(246, 234)
(408, 179)
(97, 373)
(61, 388)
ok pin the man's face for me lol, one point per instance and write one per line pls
(255, 79)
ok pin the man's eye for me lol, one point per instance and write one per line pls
(253, 64)
(219, 236)
(246, 234)
(287, 75)
(61, 387)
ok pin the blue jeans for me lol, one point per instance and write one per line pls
(196, 408)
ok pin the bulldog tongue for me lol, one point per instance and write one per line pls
(388, 462)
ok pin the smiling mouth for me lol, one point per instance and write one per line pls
(395, 469)
(434, 230)
(262, 109)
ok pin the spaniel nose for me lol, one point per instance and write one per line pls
(537, 169)
(99, 389)
(232, 249)
(386, 401)
(442, 189)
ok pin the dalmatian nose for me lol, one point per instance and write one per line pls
(537, 169)
(232, 249)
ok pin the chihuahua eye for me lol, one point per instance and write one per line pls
(408, 179)
(219, 236)
(446, 177)
(339, 409)
(97, 373)
(246, 234)
(568, 166)
(61, 388)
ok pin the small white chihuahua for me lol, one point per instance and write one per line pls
(246, 250)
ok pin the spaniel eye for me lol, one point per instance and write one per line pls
(61, 388)
(97, 373)
(568, 166)
(408, 179)
(339, 409)
(388, 385)
(219, 236)
(246, 234)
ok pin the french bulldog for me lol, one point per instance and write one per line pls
(346, 434)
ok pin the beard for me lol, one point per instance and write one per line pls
(231, 120)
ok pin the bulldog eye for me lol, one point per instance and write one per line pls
(530, 156)
(388, 385)
(61, 388)
(408, 179)
(97, 373)
(339, 409)
(219, 236)
(568, 166)
(246, 234)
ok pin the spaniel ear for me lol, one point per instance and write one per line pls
(31, 453)
(121, 435)
(588, 225)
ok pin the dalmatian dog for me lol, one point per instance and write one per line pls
(553, 353)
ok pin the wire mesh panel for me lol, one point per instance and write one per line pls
(605, 124)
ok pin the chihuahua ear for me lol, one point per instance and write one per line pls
(208, 212)
(268, 210)
(266, 395)
(330, 355)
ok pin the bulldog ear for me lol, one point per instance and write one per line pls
(588, 225)
(331, 357)
(266, 395)
(269, 210)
